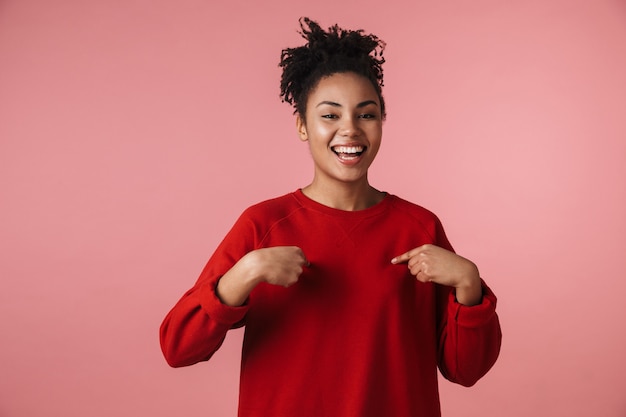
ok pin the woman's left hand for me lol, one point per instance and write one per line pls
(431, 263)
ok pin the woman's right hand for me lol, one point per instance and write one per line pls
(278, 265)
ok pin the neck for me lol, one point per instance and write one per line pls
(348, 197)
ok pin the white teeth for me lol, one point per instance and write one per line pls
(348, 149)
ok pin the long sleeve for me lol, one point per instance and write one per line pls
(197, 325)
(470, 338)
(356, 335)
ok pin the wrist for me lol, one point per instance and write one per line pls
(250, 271)
(469, 292)
(236, 284)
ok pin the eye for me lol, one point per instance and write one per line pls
(367, 116)
(329, 116)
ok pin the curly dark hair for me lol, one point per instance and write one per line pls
(326, 53)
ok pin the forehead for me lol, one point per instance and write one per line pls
(343, 87)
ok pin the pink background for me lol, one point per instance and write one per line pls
(133, 133)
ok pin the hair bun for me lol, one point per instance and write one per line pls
(325, 53)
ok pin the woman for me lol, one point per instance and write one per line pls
(351, 297)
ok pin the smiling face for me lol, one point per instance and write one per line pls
(343, 126)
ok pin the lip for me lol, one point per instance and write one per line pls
(352, 159)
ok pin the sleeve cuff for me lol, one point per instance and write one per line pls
(473, 316)
(217, 310)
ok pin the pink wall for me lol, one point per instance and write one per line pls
(130, 139)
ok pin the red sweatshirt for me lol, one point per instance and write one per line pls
(357, 336)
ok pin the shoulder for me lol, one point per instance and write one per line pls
(421, 218)
(272, 210)
(255, 222)
(412, 210)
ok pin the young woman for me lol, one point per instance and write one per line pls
(351, 297)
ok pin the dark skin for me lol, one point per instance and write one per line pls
(343, 128)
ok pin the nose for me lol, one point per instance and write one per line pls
(349, 127)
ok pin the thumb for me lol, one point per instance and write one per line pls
(305, 260)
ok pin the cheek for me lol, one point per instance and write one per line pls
(374, 150)
(376, 139)
(320, 135)
(321, 130)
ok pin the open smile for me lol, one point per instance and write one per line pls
(348, 153)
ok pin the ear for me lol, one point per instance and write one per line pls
(301, 127)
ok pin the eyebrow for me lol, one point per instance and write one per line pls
(361, 104)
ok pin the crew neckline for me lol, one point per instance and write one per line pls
(308, 202)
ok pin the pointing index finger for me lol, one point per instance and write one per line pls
(406, 256)
(401, 258)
